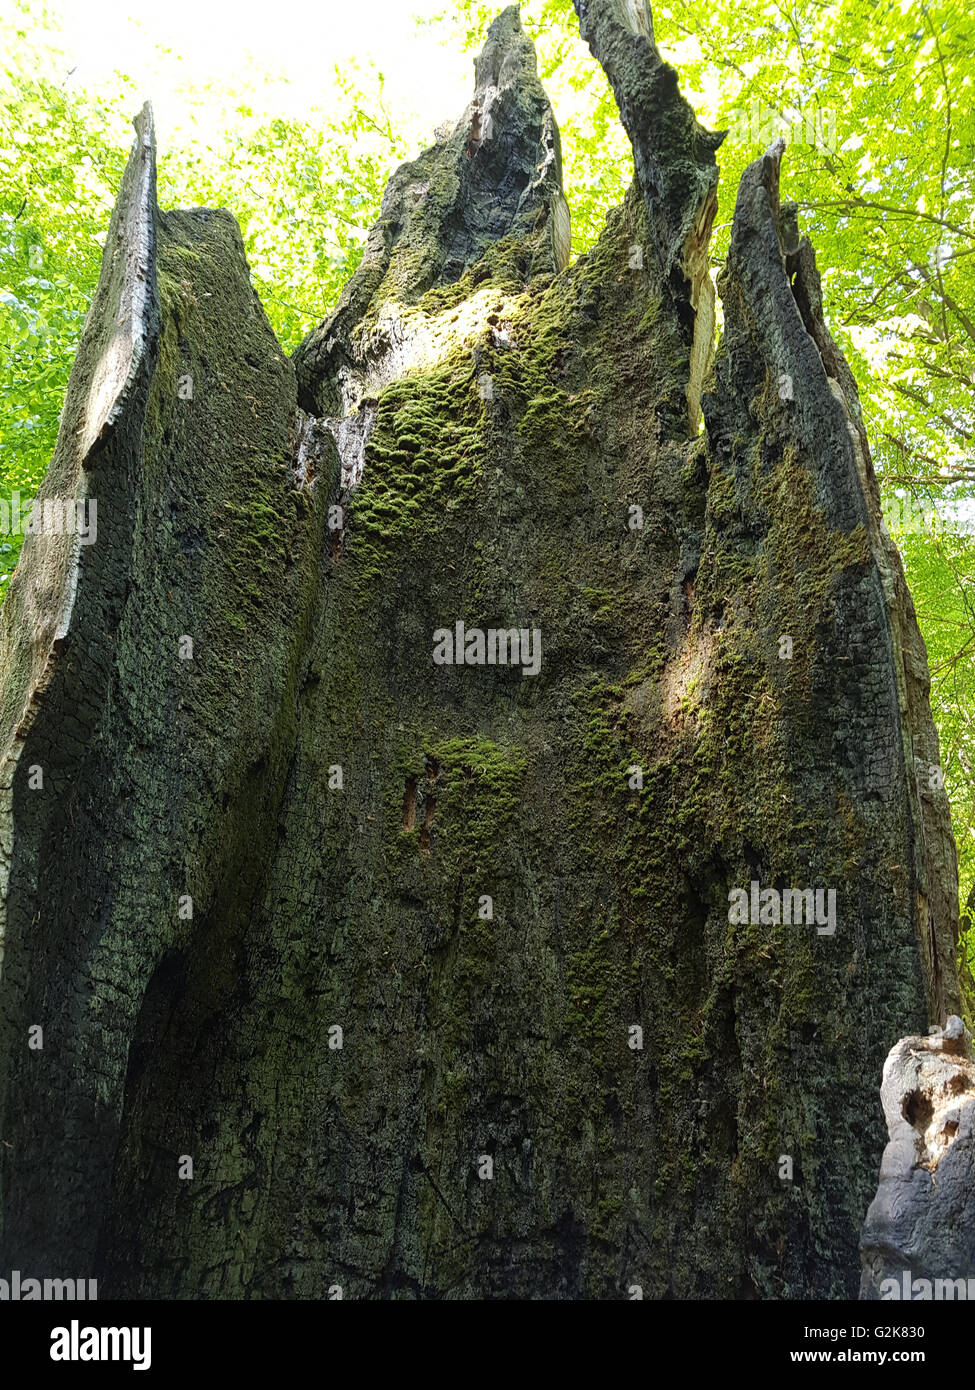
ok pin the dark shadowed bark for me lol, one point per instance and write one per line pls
(429, 966)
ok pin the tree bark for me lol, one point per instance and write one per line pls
(461, 1010)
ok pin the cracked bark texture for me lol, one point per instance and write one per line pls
(485, 415)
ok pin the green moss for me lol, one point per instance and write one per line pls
(423, 459)
(479, 787)
(507, 264)
(590, 979)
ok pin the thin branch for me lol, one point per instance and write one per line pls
(857, 202)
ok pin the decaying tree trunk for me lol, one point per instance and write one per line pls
(433, 968)
(920, 1228)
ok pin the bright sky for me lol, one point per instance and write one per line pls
(283, 51)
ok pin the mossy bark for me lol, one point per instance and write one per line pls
(339, 807)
